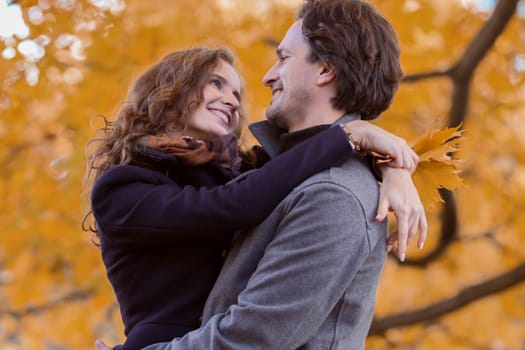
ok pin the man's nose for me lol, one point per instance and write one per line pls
(270, 77)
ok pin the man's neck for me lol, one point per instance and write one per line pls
(315, 116)
(271, 136)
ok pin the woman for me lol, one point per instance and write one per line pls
(164, 215)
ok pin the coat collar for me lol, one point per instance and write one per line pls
(269, 136)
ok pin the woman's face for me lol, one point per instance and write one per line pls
(218, 114)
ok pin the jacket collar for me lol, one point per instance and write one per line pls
(270, 136)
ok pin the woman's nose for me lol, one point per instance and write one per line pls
(231, 100)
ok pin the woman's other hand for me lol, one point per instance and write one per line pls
(398, 194)
(101, 345)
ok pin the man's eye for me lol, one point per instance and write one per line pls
(216, 82)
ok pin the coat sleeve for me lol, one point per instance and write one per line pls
(304, 272)
(147, 210)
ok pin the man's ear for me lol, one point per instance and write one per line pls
(326, 74)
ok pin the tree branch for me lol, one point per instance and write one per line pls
(449, 231)
(460, 300)
(462, 72)
(485, 39)
(31, 310)
(421, 76)
(461, 75)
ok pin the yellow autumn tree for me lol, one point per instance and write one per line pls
(464, 66)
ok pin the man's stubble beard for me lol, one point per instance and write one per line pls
(291, 112)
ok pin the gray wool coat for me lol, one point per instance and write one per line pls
(306, 277)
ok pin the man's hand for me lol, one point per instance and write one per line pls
(398, 194)
(101, 345)
(391, 147)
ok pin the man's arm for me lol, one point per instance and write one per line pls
(306, 269)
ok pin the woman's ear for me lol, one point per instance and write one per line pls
(326, 74)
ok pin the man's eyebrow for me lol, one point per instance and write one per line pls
(279, 51)
(282, 51)
(223, 80)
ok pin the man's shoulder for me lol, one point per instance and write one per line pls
(349, 187)
(353, 180)
(354, 175)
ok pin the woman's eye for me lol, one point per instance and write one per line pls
(216, 82)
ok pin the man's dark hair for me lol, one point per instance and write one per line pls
(361, 45)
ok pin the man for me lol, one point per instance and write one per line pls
(306, 277)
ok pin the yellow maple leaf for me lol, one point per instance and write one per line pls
(437, 168)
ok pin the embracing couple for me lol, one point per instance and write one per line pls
(278, 247)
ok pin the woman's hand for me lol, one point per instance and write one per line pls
(398, 194)
(100, 345)
(392, 148)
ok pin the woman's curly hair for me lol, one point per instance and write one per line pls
(158, 102)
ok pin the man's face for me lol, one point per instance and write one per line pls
(292, 79)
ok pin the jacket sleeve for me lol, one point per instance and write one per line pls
(304, 272)
(148, 210)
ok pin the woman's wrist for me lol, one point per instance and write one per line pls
(390, 172)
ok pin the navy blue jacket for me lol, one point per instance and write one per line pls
(164, 234)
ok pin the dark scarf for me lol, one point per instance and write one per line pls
(221, 151)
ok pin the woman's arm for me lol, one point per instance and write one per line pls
(146, 207)
(142, 202)
(393, 150)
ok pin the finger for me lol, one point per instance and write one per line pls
(415, 162)
(101, 345)
(391, 240)
(391, 159)
(402, 225)
(415, 157)
(397, 154)
(382, 210)
(423, 230)
(416, 219)
(412, 226)
(402, 246)
(409, 161)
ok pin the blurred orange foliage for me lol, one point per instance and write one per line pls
(53, 289)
